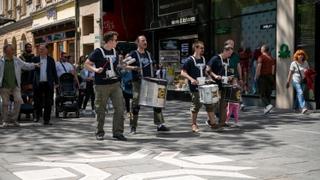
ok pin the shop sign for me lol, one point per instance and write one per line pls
(223, 30)
(267, 26)
(183, 20)
(166, 7)
(52, 13)
(284, 51)
(169, 56)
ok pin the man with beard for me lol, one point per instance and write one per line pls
(142, 67)
(27, 55)
(217, 68)
(192, 70)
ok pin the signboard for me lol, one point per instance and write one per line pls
(169, 56)
(183, 20)
(166, 7)
(267, 26)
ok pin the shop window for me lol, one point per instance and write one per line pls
(87, 25)
(305, 33)
(87, 48)
(249, 24)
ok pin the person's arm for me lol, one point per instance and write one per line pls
(289, 78)
(240, 74)
(89, 66)
(258, 69)
(211, 74)
(186, 75)
(27, 66)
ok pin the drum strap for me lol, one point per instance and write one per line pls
(151, 64)
(108, 58)
(200, 66)
(225, 65)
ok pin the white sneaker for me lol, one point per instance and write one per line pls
(304, 110)
(5, 124)
(268, 109)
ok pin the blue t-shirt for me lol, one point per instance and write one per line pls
(97, 58)
(145, 62)
(193, 71)
(217, 67)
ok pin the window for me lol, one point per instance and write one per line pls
(250, 23)
(87, 25)
(23, 7)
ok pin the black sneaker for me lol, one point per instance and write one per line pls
(99, 137)
(162, 128)
(133, 130)
(47, 124)
(120, 137)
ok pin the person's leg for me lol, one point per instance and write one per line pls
(86, 97)
(117, 102)
(158, 116)
(38, 99)
(223, 111)
(127, 101)
(235, 110)
(17, 103)
(48, 100)
(101, 101)
(229, 111)
(262, 89)
(5, 94)
(92, 95)
(135, 103)
(299, 94)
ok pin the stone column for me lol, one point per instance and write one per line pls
(55, 51)
(285, 35)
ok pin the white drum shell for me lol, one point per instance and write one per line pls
(209, 94)
(152, 94)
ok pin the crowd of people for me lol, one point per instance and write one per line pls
(103, 76)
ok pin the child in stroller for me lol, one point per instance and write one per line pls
(66, 96)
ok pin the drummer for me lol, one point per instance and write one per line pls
(192, 70)
(217, 68)
(142, 67)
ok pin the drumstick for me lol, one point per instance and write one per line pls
(105, 64)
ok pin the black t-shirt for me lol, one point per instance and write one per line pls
(193, 71)
(97, 58)
(145, 62)
(216, 66)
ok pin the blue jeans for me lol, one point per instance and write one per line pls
(299, 93)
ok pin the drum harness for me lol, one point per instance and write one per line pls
(110, 60)
(199, 65)
(225, 65)
(151, 64)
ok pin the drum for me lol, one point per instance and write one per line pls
(232, 93)
(153, 92)
(209, 94)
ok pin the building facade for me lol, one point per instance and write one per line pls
(282, 24)
(53, 23)
(16, 33)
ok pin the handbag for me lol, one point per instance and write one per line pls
(304, 80)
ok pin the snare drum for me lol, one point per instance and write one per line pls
(153, 92)
(232, 93)
(209, 94)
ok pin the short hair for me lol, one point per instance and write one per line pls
(300, 52)
(137, 39)
(27, 44)
(62, 53)
(44, 45)
(108, 36)
(196, 44)
(266, 47)
(5, 47)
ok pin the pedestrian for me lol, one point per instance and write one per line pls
(234, 107)
(141, 68)
(265, 77)
(126, 86)
(104, 63)
(296, 77)
(191, 70)
(26, 77)
(10, 81)
(88, 78)
(218, 68)
(45, 79)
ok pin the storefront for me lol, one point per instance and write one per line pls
(173, 26)
(55, 26)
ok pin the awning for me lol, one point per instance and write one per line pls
(55, 23)
(4, 20)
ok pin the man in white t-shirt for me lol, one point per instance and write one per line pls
(63, 66)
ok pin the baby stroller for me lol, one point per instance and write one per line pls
(66, 97)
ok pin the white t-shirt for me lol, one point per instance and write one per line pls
(294, 68)
(60, 69)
